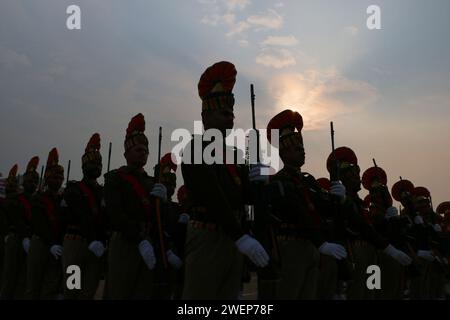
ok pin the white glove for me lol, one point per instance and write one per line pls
(425, 254)
(391, 212)
(334, 250)
(418, 219)
(398, 255)
(255, 174)
(147, 253)
(184, 218)
(338, 189)
(437, 228)
(253, 249)
(97, 248)
(160, 191)
(56, 250)
(26, 244)
(173, 259)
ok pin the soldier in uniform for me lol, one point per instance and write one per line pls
(299, 204)
(84, 241)
(361, 237)
(137, 242)
(218, 192)
(44, 268)
(18, 210)
(11, 189)
(165, 172)
(386, 221)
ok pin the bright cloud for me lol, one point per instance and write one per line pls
(276, 58)
(320, 96)
(286, 41)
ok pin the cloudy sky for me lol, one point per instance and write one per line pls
(386, 90)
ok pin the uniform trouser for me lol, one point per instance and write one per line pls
(213, 265)
(128, 275)
(76, 252)
(362, 254)
(392, 278)
(437, 281)
(14, 270)
(299, 270)
(420, 285)
(44, 272)
(328, 278)
(2, 255)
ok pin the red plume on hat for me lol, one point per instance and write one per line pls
(135, 132)
(166, 162)
(373, 175)
(93, 144)
(345, 157)
(286, 121)
(220, 77)
(421, 192)
(137, 124)
(32, 164)
(324, 183)
(443, 207)
(53, 158)
(13, 172)
(400, 187)
(92, 150)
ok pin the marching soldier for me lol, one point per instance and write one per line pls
(386, 221)
(11, 189)
(18, 210)
(362, 239)
(44, 268)
(137, 242)
(216, 238)
(299, 203)
(85, 238)
(167, 277)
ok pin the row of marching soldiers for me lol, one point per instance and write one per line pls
(309, 239)
(48, 231)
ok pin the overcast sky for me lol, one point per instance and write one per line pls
(386, 90)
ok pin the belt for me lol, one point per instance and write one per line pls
(358, 243)
(283, 237)
(72, 236)
(203, 225)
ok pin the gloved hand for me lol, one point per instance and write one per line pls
(398, 255)
(425, 254)
(56, 250)
(334, 250)
(391, 212)
(26, 244)
(437, 227)
(255, 174)
(253, 249)
(173, 259)
(184, 218)
(147, 253)
(338, 189)
(160, 191)
(97, 248)
(418, 219)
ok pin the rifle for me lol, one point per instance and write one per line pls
(109, 156)
(344, 269)
(267, 276)
(68, 173)
(158, 203)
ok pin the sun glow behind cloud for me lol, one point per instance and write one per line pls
(320, 96)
